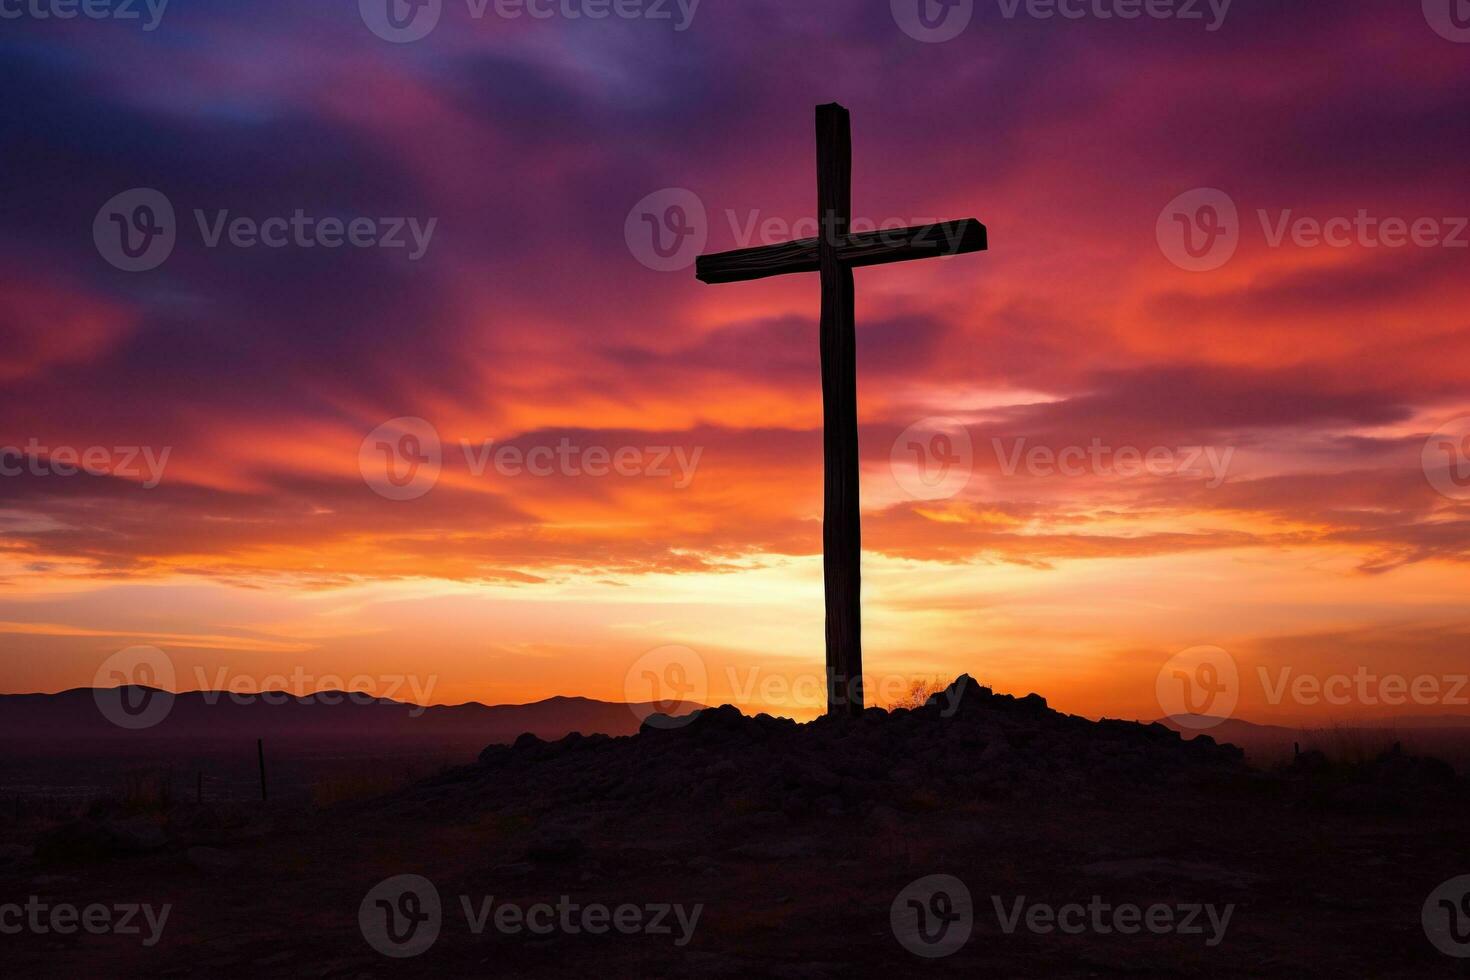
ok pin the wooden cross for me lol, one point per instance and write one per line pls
(834, 254)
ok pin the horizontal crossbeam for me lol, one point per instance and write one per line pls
(867, 248)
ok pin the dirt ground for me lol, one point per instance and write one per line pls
(1308, 891)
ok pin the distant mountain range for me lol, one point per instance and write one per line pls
(1446, 736)
(84, 713)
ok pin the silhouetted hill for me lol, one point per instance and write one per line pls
(78, 714)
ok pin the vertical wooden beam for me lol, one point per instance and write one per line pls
(260, 756)
(841, 521)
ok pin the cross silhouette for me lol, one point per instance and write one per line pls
(834, 253)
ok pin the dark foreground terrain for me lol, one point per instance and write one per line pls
(1015, 840)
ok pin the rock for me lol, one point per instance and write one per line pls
(84, 840)
(555, 850)
(773, 850)
(1166, 869)
(135, 835)
(212, 860)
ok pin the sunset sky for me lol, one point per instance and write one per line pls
(1312, 375)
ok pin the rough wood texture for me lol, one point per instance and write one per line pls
(862, 249)
(841, 524)
(834, 253)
